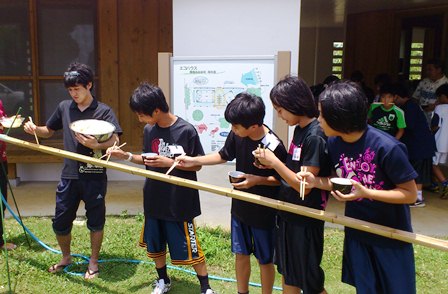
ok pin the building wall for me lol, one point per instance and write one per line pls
(232, 27)
(316, 47)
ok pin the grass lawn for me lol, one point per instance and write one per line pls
(28, 266)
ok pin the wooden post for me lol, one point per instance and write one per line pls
(283, 69)
(164, 76)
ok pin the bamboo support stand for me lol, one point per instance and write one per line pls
(228, 192)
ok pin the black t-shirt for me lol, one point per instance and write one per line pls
(68, 112)
(255, 215)
(308, 148)
(164, 200)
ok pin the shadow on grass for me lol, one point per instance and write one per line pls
(109, 272)
(178, 285)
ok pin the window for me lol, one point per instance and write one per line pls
(338, 53)
(38, 39)
(415, 62)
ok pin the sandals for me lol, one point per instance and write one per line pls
(8, 246)
(90, 274)
(57, 268)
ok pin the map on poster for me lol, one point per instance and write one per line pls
(201, 88)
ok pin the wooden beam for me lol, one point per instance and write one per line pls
(252, 198)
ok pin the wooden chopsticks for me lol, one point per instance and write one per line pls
(35, 135)
(115, 148)
(302, 184)
(175, 163)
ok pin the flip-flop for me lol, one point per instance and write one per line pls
(91, 274)
(8, 246)
(57, 268)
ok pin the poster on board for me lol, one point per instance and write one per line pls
(201, 88)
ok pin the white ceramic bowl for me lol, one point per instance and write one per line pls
(100, 129)
(7, 122)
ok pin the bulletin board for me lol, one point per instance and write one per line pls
(201, 88)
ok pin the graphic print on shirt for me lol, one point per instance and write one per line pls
(163, 148)
(384, 123)
(361, 169)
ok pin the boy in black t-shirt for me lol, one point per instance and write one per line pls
(79, 181)
(169, 209)
(252, 227)
(300, 239)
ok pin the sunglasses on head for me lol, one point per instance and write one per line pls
(73, 73)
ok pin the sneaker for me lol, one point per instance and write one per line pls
(209, 291)
(434, 187)
(160, 287)
(418, 203)
(444, 191)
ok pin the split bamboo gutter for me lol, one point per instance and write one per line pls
(252, 198)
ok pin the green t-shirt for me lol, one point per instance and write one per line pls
(387, 120)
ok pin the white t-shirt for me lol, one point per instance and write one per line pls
(442, 134)
(426, 90)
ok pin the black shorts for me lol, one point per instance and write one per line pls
(298, 254)
(69, 194)
(423, 167)
(180, 236)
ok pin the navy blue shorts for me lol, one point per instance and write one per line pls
(378, 269)
(298, 254)
(181, 239)
(69, 194)
(247, 240)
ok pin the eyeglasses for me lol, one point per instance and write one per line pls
(71, 74)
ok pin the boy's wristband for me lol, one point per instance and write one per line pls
(129, 156)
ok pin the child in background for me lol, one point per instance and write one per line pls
(417, 138)
(300, 239)
(439, 126)
(383, 186)
(385, 115)
(252, 227)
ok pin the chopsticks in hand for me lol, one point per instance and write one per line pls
(175, 163)
(115, 148)
(302, 184)
(263, 154)
(35, 135)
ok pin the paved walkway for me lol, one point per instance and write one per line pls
(37, 199)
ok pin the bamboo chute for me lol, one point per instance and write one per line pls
(229, 192)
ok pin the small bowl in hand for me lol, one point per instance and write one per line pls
(149, 155)
(233, 177)
(342, 185)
